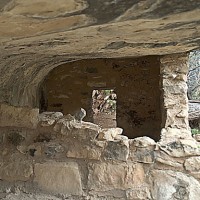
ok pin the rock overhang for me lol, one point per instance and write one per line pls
(101, 28)
(36, 37)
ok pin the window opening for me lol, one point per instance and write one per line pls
(104, 104)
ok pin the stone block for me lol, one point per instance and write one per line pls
(49, 118)
(192, 164)
(141, 149)
(142, 142)
(78, 150)
(142, 155)
(58, 177)
(171, 134)
(117, 150)
(121, 137)
(16, 170)
(109, 134)
(168, 184)
(142, 192)
(181, 148)
(106, 176)
(18, 116)
(167, 161)
(82, 131)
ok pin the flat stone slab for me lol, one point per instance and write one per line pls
(58, 177)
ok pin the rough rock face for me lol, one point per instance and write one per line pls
(35, 37)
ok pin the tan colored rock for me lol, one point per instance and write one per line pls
(43, 8)
(142, 142)
(142, 192)
(21, 170)
(78, 150)
(110, 134)
(113, 131)
(105, 136)
(192, 164)
(169, 134)
(168, 161)
(121, 137)
(59, 177)
(18, 116)
(106, 176)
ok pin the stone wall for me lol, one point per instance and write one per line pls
(135, 81)
(52, 156)
(65, 159)
(173, 70)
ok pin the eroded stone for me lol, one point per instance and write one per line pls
(168, 184)
(192, 164)
(106, 176)
(58, 177)
(78, 150)
(18, 116)
(21, 170)
(117, 150)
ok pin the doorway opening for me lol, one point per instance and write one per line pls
(104, 103)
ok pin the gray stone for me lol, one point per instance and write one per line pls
(142, 150)
(172, 185)
(181, 148)
(80, 114)
(117, 150)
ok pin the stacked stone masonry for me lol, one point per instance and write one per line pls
(66, 159)
(173, 71)
(53, 156)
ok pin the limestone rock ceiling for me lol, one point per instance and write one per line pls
(36, 36)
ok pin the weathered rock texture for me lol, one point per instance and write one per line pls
(174, 71)
(67, 159)
(59, 158)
